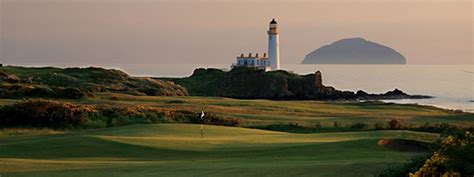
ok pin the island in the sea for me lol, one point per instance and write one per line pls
(354, 51)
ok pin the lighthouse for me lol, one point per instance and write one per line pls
(270, 62)
(274, 46)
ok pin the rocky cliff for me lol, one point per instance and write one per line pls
(249, 83)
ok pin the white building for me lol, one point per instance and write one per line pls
(253, 61)
(270, 63)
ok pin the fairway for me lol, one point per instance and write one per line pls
(178, 150)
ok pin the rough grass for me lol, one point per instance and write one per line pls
(257, 113)
(177, 150)
(87, 80)
(5, 132)
(264, 112)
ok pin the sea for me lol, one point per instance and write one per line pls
(451, 85)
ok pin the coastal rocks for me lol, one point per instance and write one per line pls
(250, 83)
(394, 94)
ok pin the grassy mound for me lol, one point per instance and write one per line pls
(18, 82)
(404, 145)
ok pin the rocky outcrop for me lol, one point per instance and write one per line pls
(249, 83)
(390, 95)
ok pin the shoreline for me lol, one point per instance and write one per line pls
(446, 105)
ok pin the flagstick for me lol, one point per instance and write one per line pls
(202, 122)
(202, 126)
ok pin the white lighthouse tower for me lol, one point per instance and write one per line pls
(274, 46)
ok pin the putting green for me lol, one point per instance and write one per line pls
(178, 150)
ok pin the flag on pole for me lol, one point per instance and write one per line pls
(202, 121)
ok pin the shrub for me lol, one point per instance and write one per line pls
(336, 124)
(443, 128)
(395, 124)
(293, 125)
(39, 91)
(359, 126)
(177, 101)
(73, 93)
(411, 165)
(379, 126)
(24, 90)
(41, 113)
(453, 156)
(317, 125)
(110, 116)
(56, 115)
(215, 119)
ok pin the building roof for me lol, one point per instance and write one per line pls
(261, 58)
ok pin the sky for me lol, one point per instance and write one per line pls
(97, 32)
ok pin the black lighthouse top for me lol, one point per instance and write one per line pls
(273, 21)
(273, 28)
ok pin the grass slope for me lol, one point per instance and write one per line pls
(260, 113)
(20, 82)
(264, 112)
(177, 150)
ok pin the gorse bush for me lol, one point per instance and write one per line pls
(395, 124)
(40, 113)
(57, 115)
(443, 128)
(411, 165)
(215, 119)
(453, 156)
(322, 126)
(40, 91)
(72, 93)
(359, 126)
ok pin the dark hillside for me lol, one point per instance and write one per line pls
(250, 83)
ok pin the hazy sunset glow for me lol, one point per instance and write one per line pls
(200, 31)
